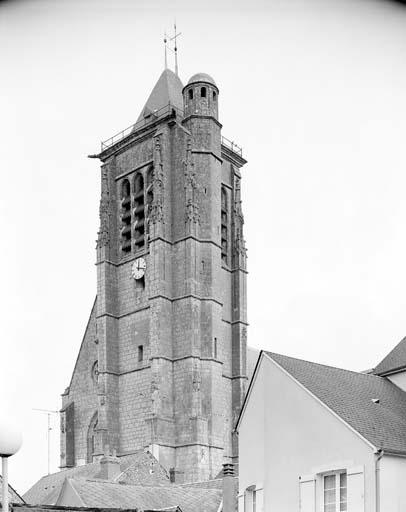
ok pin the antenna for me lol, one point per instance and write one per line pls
(49, 428)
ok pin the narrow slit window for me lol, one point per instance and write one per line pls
(214, 95)
(215, 348)
(203, 92)
(140, 353)
(191, 94)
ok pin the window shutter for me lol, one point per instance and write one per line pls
(70, 433)
(241, 503)
(355, 489)
(260, 500)
(307, 494)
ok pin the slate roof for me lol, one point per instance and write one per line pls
(168, 89)
(59, 508)
(112, 494)
(136, 469)
(349, 394)
(395, 360)
(13, 495)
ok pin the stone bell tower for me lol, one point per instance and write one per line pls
(163, 361)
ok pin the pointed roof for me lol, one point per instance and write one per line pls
(168, 89)
(395, 361)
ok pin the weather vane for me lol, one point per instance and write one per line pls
(167, 41)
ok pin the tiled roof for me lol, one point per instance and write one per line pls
(137, 468)
(112, 494)
(350, 394)
(59, 508)
(395, 360)
(168, 89)
(13, 495)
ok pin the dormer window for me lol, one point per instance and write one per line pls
(203, 92)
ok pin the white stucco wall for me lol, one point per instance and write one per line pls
(392, 475)
(286, 433)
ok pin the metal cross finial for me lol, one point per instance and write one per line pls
(166, 47)
(174, 49)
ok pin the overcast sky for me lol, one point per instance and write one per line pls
(314, 92)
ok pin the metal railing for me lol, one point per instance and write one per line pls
(231, 145)
(153, 116)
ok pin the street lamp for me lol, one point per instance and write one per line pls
(10, 443)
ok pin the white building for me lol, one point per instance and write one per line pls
(314, 438)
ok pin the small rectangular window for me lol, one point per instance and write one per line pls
(203, 92)
(140, 353)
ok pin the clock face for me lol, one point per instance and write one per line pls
(138, 268)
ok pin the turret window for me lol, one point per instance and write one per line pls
(224, 225)
(191, 94)
(125, 217)
(203, 92)
(214, 96)
(139, 212)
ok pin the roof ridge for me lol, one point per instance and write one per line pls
(320, 364)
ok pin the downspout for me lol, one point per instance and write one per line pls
(378, 456)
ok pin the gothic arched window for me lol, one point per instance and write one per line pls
(125, 216)
(139, 213)
(224, 224)
(95, 372)
(91, 437)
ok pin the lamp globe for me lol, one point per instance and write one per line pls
(10, 439)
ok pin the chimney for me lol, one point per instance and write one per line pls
(109, 467)
(229, 488)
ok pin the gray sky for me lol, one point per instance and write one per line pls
(313, 90)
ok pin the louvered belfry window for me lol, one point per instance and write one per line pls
(125, 217)
(139, 212)
(224, 225)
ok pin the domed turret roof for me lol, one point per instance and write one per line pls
(202, 77)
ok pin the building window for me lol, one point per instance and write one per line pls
(203, 92)
(335, 492)
(224, 225)
(125, 217)
(214, 96)
(140, 353)
(191, 94)
(215, 348)
(91, 437)
(139, 212)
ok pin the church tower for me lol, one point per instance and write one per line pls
(162, 364)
